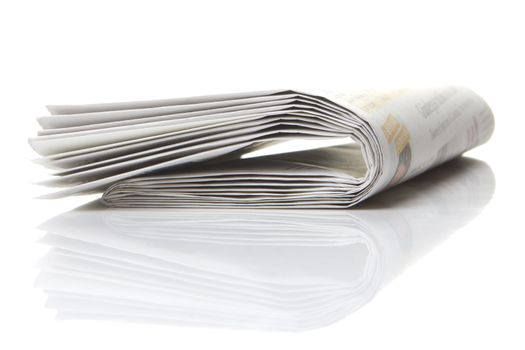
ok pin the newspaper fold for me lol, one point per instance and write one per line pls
(186, 151)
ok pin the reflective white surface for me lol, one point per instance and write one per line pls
(264, 269)
(467, 292)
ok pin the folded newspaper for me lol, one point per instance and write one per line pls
(188, 152)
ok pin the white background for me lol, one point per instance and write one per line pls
(467, 293)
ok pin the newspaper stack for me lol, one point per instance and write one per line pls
(188, 151)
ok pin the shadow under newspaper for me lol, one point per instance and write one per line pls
(265, 269)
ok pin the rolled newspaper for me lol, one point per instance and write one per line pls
(188, 151)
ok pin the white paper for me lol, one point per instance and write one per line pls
(152, 153)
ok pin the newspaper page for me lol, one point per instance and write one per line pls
(422, 128)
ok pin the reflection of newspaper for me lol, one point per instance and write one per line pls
(185, 152)
(271, 269)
